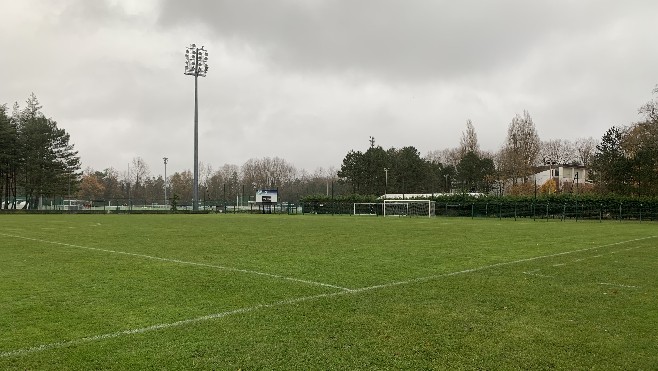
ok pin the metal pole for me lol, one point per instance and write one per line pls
(165, 180)
(333, 202)
(195, 205)
(129, 200)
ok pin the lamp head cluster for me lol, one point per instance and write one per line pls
(196, 60)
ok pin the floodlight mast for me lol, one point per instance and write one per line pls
(196, 65)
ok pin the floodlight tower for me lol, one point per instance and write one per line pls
(196, 65)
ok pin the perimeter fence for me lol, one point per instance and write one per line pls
(586, 210)
(145, 206)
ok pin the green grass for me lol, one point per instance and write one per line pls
(322, 292)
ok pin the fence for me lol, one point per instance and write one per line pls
(150, 207)
(548, 210)
(575, 210)
(508, 209)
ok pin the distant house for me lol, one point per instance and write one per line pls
(562, 174)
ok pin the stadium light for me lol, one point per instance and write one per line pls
(196, 65)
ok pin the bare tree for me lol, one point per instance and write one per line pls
(447, 157)
(224, 183)
(137, 175)
(139, 170)
(469, 141)
(557, 151)
(267, 172)
(650, 109)
(585, 149)
(521, 150)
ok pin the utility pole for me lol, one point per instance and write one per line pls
(386, 183)
(165, 180)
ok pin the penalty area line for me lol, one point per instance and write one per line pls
(183, 262)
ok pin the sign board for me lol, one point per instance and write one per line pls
(266, 196)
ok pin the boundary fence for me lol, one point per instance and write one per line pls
(573, 210)
(140, 206)
(507, 209)
(548, 210)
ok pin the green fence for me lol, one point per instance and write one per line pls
(510, 209)
(548, 210)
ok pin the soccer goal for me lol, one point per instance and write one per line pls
(410, 208)
(367, 208)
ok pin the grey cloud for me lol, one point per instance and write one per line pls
(324, 74)
(424, 39)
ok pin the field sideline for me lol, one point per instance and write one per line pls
(325, 292)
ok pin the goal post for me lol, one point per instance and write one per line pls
(424, 208)
(368, 208)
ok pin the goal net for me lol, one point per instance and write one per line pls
(425, 208)
(367, 208)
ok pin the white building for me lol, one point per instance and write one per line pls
(574, 174)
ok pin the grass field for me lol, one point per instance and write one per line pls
(321, 292)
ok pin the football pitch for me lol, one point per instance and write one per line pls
(308, 292)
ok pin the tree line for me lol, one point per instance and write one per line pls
(36, 158)
(623, 162)
(227, 185)
(626, 160)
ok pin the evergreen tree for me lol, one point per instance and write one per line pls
(610, 166)
(8, 159)
(36, 158)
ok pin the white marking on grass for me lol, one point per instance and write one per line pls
(617, 285)
(64, 344)
(534, 273)
(161, 326)
(177, 261)
(496, 265)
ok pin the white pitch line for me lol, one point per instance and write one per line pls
(617, 285)
(177, 261)
(496, 265)
(534, 273)
(64, 344)
(161, 326)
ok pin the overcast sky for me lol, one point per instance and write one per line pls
(309, 80)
